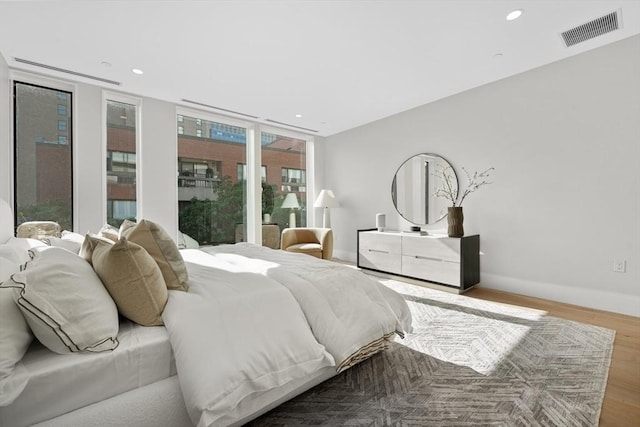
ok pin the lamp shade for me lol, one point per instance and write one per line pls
(326, 199)
(291, 201)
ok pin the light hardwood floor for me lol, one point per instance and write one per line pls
(621, 405)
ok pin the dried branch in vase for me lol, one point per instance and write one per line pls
(449, 189)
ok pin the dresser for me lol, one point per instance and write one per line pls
(449, 261)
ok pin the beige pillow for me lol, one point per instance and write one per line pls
(64, 303)
(88, 245)
(133, 279)
(162, 248)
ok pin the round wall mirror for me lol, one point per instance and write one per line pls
(414, 187)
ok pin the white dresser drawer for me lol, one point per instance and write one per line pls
(380, 251)
(382, 261)
(440, 271)
(441, 248)
(382, 242)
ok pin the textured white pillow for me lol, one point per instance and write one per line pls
(15, 335)
(65, 303)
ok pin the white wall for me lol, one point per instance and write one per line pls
(159, 155)
(565, 198)
(5, 136)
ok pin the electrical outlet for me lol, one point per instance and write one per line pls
(619, 266)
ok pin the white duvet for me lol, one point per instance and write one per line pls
(255, 319)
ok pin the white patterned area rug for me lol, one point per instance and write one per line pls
(468, 362)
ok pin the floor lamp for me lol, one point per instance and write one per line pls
(326, 200)
(291, 202)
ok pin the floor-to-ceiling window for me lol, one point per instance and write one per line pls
(212, 189)
(121, 161)
(215, 177)
(43, 172)
(285, 160)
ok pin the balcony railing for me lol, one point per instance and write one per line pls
(197, 180)
(118, 177)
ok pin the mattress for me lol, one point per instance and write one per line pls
(60, 383)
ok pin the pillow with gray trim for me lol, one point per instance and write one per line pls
(65, 304)
(15, 335)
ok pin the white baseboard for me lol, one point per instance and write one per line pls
(591, 298)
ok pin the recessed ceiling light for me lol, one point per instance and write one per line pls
(298, 115)
(106, 64)
(137, 71)
(514, 14)
(497, 55)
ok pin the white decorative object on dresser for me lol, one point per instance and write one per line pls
(450, 261)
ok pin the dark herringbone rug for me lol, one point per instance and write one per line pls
(468, 362)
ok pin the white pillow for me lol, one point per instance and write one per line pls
(15, 255)
(15, 337)
(187, 242)
(110, 232)
(60, 242)
(72, 236)
(23, 245)
(65, 303)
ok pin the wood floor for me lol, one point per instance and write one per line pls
(621, 405)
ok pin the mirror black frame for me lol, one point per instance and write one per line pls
(429, 197)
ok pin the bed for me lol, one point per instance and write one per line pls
(251, 328)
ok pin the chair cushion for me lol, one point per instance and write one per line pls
(314, 249)
(39, 229)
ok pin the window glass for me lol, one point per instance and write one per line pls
(43, 181)
(211, 194)
(242, 172)
(121, 162)
(287, 155)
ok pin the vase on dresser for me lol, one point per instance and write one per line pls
(455, 219)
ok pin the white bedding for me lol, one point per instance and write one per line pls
(59, 383)
(345, 308)
(245, 326)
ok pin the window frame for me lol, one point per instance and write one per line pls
(137, 102)
(70, 89)
(253, 159)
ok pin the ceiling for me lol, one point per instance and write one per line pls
(338, 64)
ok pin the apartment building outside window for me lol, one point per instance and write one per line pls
(121, 163)
(287, 157)
(210, 197)
(43, 177)
(213, 210)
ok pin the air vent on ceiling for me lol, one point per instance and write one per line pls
(595, 28)
(218, 108)
(62, 70)
(291, 126)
